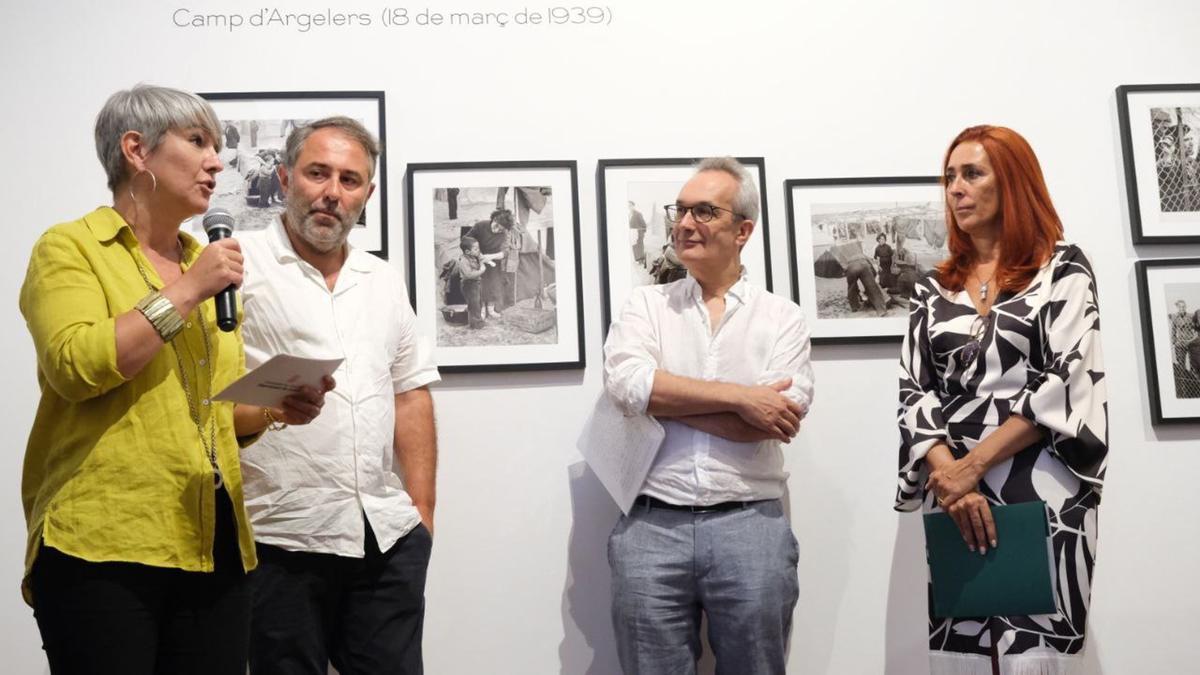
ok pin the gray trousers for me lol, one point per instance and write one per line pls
(738, 567)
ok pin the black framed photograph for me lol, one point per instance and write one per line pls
(635, 235)
(1169, 302)
(856, 248)
(1160, 143)
(255, 127)
(493, 264)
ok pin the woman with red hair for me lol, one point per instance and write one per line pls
(1002, 396)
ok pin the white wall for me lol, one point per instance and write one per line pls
(519, 580)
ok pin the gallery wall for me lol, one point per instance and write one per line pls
(519, 580)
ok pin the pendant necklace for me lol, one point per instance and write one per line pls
(209, 445)
(983, 287)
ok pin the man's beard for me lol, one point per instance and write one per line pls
(302, 221)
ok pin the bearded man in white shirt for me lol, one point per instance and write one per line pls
(343, 537)
(724, 366)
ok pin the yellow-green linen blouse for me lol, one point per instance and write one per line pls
(115, 469)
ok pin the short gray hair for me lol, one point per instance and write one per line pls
(151, 111)
(351, 127)
(745, 202)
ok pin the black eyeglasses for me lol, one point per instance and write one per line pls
(970, 351)
(703, 213)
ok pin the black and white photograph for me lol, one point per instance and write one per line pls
(494, 264)
(1183, 301)
(255, 127)
(1169, 300)
(496, 269)
(635, 236)
(1176, 132)
(858, 246)
(1160, 139)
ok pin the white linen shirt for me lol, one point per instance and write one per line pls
(762, 338)
(306, 487)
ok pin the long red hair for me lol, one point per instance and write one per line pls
(1029, 225)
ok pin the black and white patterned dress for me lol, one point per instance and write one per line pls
(1039, 357)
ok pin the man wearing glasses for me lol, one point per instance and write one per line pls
(724, 367)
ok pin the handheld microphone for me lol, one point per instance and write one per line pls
(218, 224)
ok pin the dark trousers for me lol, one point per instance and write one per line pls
(471, 291)
(363, 615)
(886, 278)
(492, 286)
(120, 618)
(861, 271)
(508, 292)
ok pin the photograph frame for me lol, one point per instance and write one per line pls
(1148, 222)
(568, 352)
(608, 258)
(310, 105)
(1163, 410)
(824, 331)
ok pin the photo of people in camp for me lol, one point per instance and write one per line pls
(494, 253)
(868, 256)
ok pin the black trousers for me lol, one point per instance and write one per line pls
(363, 615)
(118, 618)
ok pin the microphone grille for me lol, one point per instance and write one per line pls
(218, 218)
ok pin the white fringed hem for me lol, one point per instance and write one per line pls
(1043, 663)
(1037, 663)
(950, 663)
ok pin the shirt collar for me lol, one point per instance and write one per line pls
(284, 252)
(106, 224)
(741, 287)
(191, 247)
(740, 290)
(280, 245)
(357, 259)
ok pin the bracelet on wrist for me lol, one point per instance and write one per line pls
(162, 315)
(273, 424)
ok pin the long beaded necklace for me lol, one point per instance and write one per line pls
(209, 445)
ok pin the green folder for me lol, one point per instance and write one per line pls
(1012, 579)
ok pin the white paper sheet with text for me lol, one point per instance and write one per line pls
(620, 449)
(279, 377)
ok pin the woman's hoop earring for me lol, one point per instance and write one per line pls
(153, 183)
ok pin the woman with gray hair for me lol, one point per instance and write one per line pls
(138, 542)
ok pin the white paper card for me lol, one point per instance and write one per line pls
(278, 378)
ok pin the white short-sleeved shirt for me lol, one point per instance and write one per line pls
(762, 338)
(307, 486)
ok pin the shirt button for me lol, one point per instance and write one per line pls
(202, 362)
(189, 324)
(205, 401)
